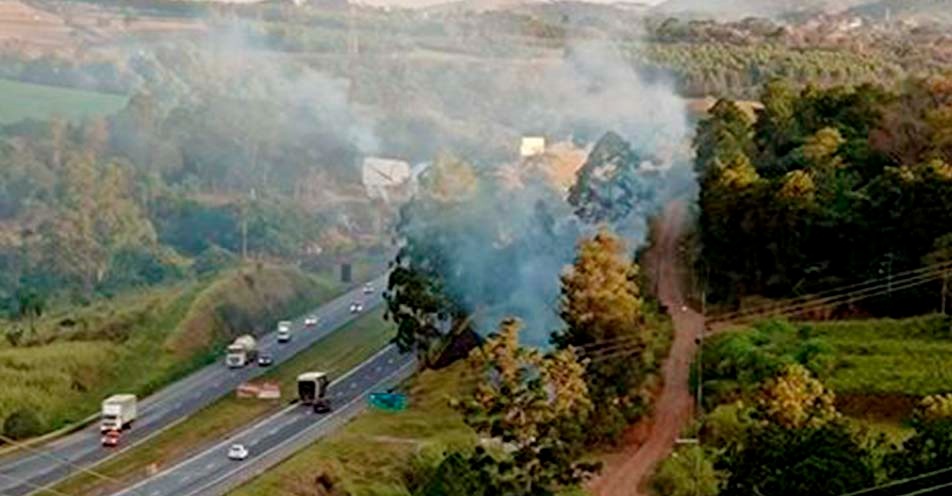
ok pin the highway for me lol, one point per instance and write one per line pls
(27, 470)
(276, 437)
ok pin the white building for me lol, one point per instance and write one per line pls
(380, 176)
(532, 146)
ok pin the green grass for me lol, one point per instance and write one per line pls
(337, 353)
(144, 340)
(877, 368)
(33, 101)
(372, 453)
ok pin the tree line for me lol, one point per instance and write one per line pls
(827, 187)
(196, 170)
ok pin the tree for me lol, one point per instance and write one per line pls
(22, 423)
(532, 406)
(601, 303)
(930, 448)
(794, 400)
(723, 136)
(31, 305)
(819, 461)
(608, 187)
(416, 304)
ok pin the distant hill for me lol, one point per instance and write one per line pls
(922, 11)
(738, 9)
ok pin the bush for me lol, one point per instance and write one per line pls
(23, 423)
(688, 471)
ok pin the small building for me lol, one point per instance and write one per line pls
(532, 146)
(382, 176)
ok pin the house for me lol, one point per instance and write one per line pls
(382, 177)
(532, 146)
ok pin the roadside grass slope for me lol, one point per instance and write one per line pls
(336, 353)
(141, 341)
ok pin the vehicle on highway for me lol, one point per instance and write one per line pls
(310, 321)
(368, 288)
(237, 452)
(284, 331)
(265, 360)
(312, 391)
(118, 412)
(242, 351)
(356, 307)
(111, 439)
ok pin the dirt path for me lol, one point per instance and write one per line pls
(626, 473)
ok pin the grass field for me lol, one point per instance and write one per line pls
(877, 368)
(336, 354)
(25, 100)
(371, 454)
(79, 356)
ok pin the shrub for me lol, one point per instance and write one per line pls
(23, 423)
(689, 471)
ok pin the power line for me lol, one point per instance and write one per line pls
(878, 280)
(794, 309)
(61, 461)
(900, 482)
(928, 490)
(838, 300)
(35, 486)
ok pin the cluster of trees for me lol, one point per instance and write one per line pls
(773, 428)
(538, 414)
(203, 167)
(737, 71)
(735, 59)
(825, 187)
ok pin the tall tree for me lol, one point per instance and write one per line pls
(601, 303)
(532, 406)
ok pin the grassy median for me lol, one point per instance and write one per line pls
(336, 353)
(372, 454)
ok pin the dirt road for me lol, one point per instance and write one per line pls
(626, 473)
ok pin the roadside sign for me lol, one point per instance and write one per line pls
(390, 402)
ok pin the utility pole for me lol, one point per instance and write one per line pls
(700, 349)
(945, 290)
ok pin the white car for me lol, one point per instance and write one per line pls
(356, 307)
(310, 321)
(237, 452)
(368, 288)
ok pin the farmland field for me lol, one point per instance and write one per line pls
(24, 100)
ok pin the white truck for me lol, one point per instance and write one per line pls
(241, 352)
(118, 412)
(284, 331)
(312, 391)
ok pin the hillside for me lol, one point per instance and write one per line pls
(739, 9)
(76, 356)
(918, 11)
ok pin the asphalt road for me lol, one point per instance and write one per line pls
(25, 471)
(274, 438)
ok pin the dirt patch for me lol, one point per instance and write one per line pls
(889, 408)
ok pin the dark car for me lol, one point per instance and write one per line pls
(264, 360)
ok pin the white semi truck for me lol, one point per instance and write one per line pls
(312, 390)
(118, 412)
(242, 351)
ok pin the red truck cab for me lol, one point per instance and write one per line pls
(110, 439)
